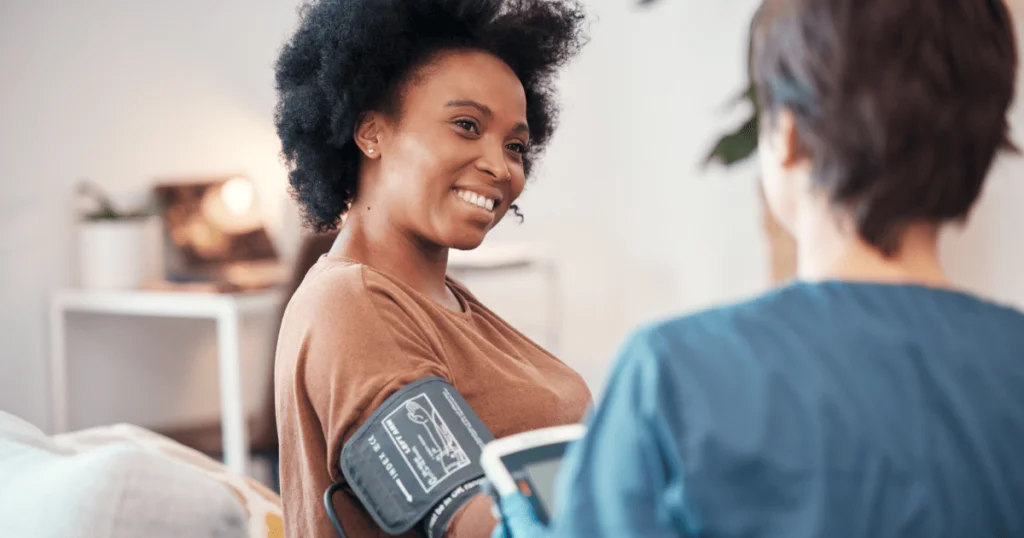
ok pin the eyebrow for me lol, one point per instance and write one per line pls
(520, 127)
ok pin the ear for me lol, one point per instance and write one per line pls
(788, 139)
(368, 133)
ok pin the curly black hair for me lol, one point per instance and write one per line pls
(348, 57)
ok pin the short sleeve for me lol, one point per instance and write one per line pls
(363, 347)
(625, 477)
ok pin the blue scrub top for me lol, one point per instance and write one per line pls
(819, 410)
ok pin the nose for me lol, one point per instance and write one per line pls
(493, 162)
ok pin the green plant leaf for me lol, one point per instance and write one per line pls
(742, 143)
(748, 95)
(105, 209)
(736, 146)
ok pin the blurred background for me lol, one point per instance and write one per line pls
(118, 313)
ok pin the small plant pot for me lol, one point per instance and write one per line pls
(116, 254)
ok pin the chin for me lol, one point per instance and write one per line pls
(467, 242)
(465, 237)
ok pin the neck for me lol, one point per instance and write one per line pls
(372, 239)
(829, 248)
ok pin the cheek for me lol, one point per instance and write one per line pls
(776, 192)
(769, 172)
(517, 185)
(415, 165)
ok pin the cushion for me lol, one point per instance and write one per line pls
(110, 490)
(261, 507)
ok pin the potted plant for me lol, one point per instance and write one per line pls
(115, 245)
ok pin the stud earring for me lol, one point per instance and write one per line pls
(370, 151)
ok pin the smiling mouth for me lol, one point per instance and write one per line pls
(475, 199)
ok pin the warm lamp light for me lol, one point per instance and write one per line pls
(237, 194)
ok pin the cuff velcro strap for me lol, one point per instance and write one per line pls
(436, 522)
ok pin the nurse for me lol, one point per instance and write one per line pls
(871, 397)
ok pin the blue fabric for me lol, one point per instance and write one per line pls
(831, 409)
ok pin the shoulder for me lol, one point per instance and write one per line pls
(327, 282)
(708, 381)
(341, 309)
(717, 331)
(345, 304)
(719, 357)
(336, 291)
(344, 312)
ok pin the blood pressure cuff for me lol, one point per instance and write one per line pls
(417, 458)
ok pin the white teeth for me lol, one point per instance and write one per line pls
(476, 199)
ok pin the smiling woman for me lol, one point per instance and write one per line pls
(418, 121)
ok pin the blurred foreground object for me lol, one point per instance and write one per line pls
(118, 482)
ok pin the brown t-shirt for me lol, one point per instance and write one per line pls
(351, 337)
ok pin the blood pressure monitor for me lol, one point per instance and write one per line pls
(528, 463)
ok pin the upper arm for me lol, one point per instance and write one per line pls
(625, 477)
(360, 350)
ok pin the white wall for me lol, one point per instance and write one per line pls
(640, 228)
(123, 91)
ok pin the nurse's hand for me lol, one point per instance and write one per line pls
(518, 517)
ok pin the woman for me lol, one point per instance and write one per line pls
(870, 398)
(417, 121)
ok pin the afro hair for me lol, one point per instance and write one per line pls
(348, 57)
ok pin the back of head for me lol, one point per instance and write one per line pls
(900, 105)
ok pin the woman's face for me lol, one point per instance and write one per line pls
(449, 166)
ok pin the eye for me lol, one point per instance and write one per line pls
(468, 125)
(517, 147)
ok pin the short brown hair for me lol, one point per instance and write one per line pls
(900, 104)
